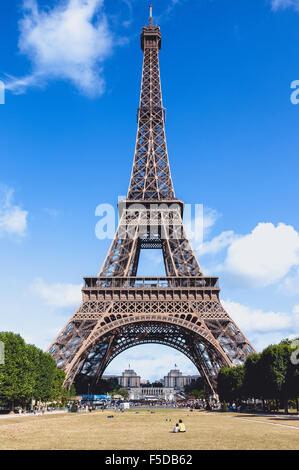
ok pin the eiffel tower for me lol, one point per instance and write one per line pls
(120, 310)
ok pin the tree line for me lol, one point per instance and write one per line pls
(28, 374)
(197, 389)
(110, 386)
(270, 376)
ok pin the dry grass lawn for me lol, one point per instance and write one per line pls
(146, 430)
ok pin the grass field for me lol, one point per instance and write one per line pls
(149, 430)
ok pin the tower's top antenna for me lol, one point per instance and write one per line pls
(151, 15)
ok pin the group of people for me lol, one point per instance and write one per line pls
(179, 427)
(35, 410)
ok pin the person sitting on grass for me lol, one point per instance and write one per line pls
(176, 428)
(182, 427)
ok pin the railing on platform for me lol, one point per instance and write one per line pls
(151, 282)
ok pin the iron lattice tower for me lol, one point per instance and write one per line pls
(120, 310)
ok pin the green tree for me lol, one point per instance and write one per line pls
(123, 392)
(197, 393)
(58, 391)
(28, 373)
(46, 372)
(271, 375)
(253, 379)
(275, 365)
(16, 381)
(292, 381)
(106, 386)
(197, 388)
(230, 383)
(33, 354)
(157, 384)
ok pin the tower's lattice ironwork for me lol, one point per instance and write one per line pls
(120, 310)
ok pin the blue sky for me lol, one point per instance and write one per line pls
(72, 71)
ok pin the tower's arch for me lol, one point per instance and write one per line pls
(113, 335)
(107, 347)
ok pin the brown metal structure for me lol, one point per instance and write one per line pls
(120, 310)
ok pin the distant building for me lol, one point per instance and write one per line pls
(175, 379)
(128, 379)
(151, 393)
(172, 383)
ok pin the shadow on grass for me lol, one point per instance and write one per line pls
(286, 418)
(274, 416)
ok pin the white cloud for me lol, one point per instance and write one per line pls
(217, 244)
(290, 284)
(58, 295)
(200, 225)
(210, 216)
(13, 219)
(128, 22)
(263, 328)
(264, 256)
(256, 320)
(67, 42)
(170, 7)
(283, 4)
